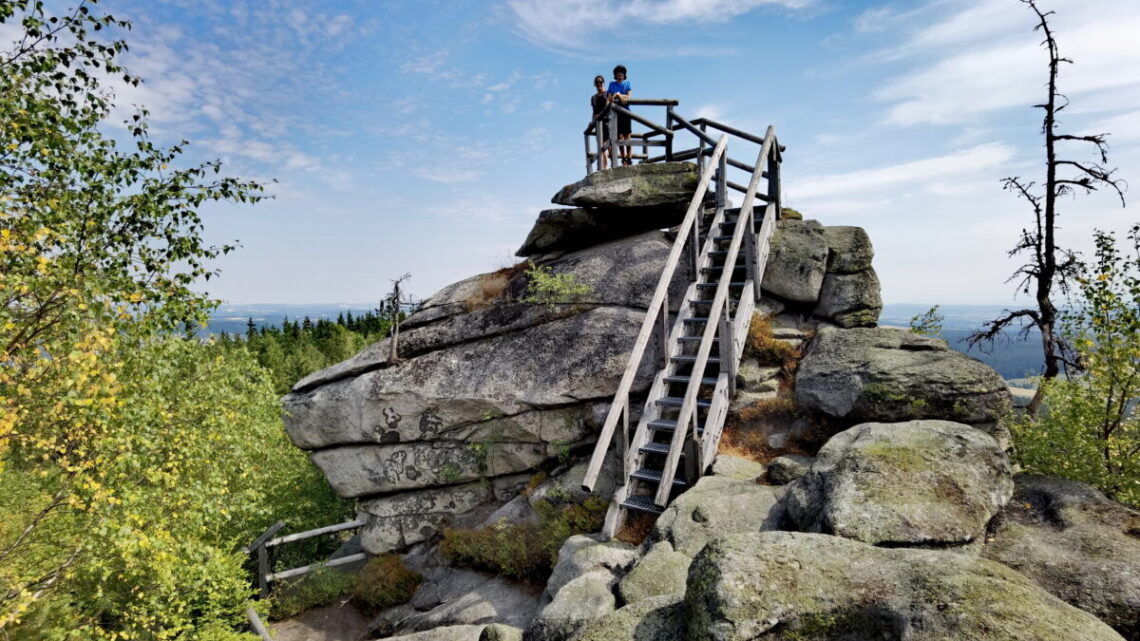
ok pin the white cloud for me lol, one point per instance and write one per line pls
(426, 64)
(965, 81)
(875, 181)
(572, 24)
(448, 175)
(1122, 128)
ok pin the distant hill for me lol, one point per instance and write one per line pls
(233, 319)
(1013, 358)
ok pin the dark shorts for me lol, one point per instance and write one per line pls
(625, 125)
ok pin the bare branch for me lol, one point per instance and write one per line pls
(996, 328)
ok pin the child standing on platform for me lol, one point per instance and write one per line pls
(619, 92)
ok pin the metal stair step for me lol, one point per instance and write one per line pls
(705, 302)
(642, 504)
(697, 319)
(668, 425)
(722, 253)
(694, 339)
(654, 476)
(655, 448)
(680, 379)
(735, 283)
(720, 268)
(685, 358)
(677, 401)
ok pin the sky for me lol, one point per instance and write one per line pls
(424, 137)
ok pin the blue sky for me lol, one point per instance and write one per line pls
(425, 136)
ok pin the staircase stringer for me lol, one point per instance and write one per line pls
(720, 306)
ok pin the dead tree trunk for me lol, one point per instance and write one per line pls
(1049, 265)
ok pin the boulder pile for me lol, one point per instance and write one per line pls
(904, 521)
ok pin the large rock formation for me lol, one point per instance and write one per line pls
(667, 185)
(780, 585)
(880, 374)
(488, 389)
(1076, 544)
(920, 482)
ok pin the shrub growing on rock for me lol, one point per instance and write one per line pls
(523, 550)
(544, 287)
(1090, 430)
(385, 581)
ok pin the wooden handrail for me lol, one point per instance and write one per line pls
(687, 412)
(308, 534)
(694, 130)
(648, 325)
(616, 108)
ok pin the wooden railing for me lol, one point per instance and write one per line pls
(262, 548)
(656, 320)
(714, 162)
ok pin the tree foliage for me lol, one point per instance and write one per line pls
(295, 349)
(132, 462)
(1089, 429)
(1049, 265)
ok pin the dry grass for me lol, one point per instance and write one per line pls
(636, 528)
(752, 444)
(768, 349)
(769, 408)
(495, 287)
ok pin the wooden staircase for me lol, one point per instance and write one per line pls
(699, 348)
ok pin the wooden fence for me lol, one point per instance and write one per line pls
(262, 548)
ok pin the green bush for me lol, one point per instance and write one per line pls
(547, 288)
(524, 550)
(928, 323)
(385, 581)
(1089, 430)
(320, 587)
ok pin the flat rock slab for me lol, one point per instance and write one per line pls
(814, 587)
(654, 619)
(668, 184)
(914, 483)
(1076, 544)
(716, 506)
(661, 572)
(619, 273)
(582, 600)
(398, 520)
(477, 390)
(785, 469)
(573, 229)
(883, 374)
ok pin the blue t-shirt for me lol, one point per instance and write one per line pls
(619, 87)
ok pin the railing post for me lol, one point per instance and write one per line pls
(722, 181)
(693, 465)
(589, 163)
(263, 571)
(727, 352)
(669, 134)
(615, 151)
(695, 246)
(774, 179)
(623, 442)
(750, 253)
(701, 150)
